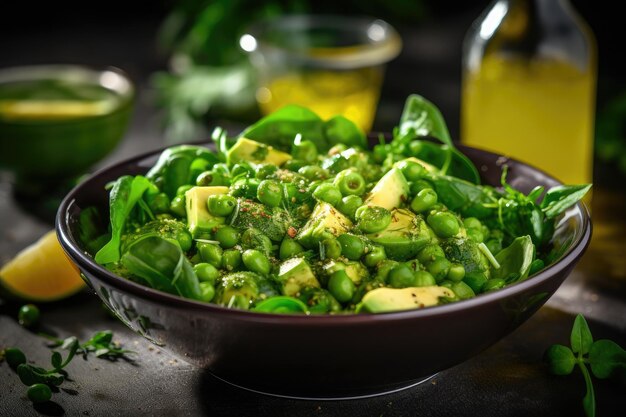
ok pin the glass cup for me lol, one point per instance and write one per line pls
(330, 64)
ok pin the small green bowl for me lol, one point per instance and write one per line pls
(56, 121)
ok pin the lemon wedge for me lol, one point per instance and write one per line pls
(41, 272)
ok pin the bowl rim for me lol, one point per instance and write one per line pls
(384, 44)
(87, 263)
(126, 90)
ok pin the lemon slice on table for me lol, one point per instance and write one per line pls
(41, 272)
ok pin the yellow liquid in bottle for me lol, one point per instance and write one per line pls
(540, 112)
(353, 93)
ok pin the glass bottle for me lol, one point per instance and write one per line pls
(529, 85)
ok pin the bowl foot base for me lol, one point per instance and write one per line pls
(345, 394)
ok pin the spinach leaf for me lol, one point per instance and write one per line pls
(468, 199)
(422, 118)
(123, 197)
(163, 265)
(515, 260)
(281, 127)
(338, 129)
(560, 198)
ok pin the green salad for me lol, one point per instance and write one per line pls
(299, 215)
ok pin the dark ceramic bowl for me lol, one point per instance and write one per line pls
(323, 356)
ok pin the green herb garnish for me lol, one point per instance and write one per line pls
(604, 358)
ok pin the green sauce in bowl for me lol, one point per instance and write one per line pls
(56, 121)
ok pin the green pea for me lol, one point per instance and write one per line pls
(424, 200)
(472, 223)
(476, 235)
(305, 151)
(412, 170)
(270, 193)
(456, 272)
(415, 147)
(39, 393)
(383, 268)
(536, 266)
(185, 240)
(373, 219)
(462, 290)
(177, 206)
(265, 171)
(439, 268)
(313, 172)
(228, 236)
(14, 357)
(328, 193)
(423, 279)
(350, 182)
(352, 247)
(331, 248)
(493, 284)
(28, 315)
(374, 256)
(206, 272)
(221, 205)
(429, 253)
(294, 164)
(419, 185)
(159, 203)
(207, 291)
(231, 259)
(443, 223)
(349, 205)
(198, 166)
(211, 253)
(244, 187)
(255, 261)
(211, 178)
(476, 280)
(401, 277)
(289, 248)
(242, 170)
(222, 169)
(183, 189)
(341, 286)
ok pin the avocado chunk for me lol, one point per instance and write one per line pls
(294, 275)
(273, 222)
(428, 167)
(390, 191)
(405, 236)
(466, 252)
(255, 152)
(383, 300)
(200, 221)
(238, 290)
(355, 270)
(324, 222)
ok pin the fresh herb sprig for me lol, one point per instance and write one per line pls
(41, 381)
(100, 344)
(604, 357)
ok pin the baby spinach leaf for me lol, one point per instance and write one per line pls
(462, 196)
(560, 198)
(422, 118)
(515, 260)
(338, 129)
(281, 127)
(126, 191)
(163, 265)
